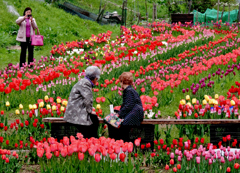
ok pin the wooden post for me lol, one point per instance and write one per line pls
(218, 9)
(223, 11)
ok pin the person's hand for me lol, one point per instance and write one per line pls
(26, 16)
(31, 18)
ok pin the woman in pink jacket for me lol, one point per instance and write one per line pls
(27, 28)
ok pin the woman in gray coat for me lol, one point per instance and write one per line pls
(79, 107)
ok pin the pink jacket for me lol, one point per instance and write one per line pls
(21, 36)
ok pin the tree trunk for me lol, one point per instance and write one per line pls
(146, 10)
(228, 12)
(190, 4)
(153, 15)
(239, 13)
(218, 9)
(222, 11)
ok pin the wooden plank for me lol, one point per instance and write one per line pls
(164, 121)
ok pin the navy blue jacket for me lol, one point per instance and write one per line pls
(131, 110)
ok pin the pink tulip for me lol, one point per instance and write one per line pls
(198, 160)
(113, 156)
(172, 155)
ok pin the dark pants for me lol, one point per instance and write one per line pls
(24, 46)
(89, 131)
(120, 133)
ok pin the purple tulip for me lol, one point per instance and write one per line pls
(187, 89)
(183, 91)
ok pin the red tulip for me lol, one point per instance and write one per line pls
(97, 157)
(161, 141)
(236, 166)
(40, 152)
(171, 161)
(64, 151)
(228, 137)
(137, 142)
(166, 167)
(142, 146)
(7, 142)
(174, 169)
(48, 155)
(7, 160)
(113, 156)
(178, 166)
(228, 169)
(80, 156)
(148, 145)
(122, 157)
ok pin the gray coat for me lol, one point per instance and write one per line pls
(80, 103)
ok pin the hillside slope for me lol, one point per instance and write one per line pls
(54, 24)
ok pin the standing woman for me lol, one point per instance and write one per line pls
(27, 28)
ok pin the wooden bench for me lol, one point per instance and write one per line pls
(218, 128)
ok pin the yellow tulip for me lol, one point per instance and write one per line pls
(210, 101)
(232, 102)
(194, 101)
(7, 103)
(98, 106)
(34, 106)
(30, 107)
(82, 57)
(62, 108)
(58, 100)
(187, 97)
(182, 102)
(65, 102)
(54, 108)
(48, 106)
(206, 98)
(189, 104)
(20, 106)
(215, 102)
(204, 102)
(41, 104)
(216, 96)
(17, 112)
(46, 98)
(96, 54)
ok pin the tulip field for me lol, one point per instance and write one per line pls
(181, 71)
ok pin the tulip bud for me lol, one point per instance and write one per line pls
(216, 96)
(210, 101)
(20, 106)
(46, 98)
(48, 106)
(41, 104)
(187, 97)
(54, 108)
(30, 107)
(98, 106)
(7, 104)
(17, 112)
(194, 101)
